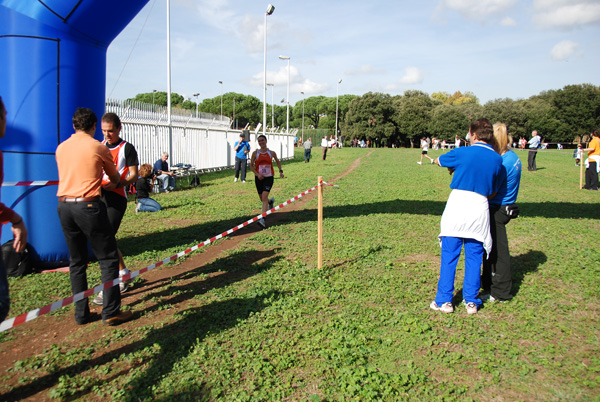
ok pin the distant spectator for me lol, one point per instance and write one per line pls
(242, 149)
(161, 170)
(307, 150)
(324, 145)
(534, 144)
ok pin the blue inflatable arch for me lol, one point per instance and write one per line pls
(53, 56)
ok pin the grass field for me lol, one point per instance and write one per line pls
(358, 329)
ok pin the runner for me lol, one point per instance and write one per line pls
(261, 163)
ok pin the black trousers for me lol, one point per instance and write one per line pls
(88, 221)
(497, 275)
(591, 177)
(240, 164)
(531, 160)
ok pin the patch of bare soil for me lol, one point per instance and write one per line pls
(32, 338)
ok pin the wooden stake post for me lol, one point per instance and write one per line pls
(320, 224)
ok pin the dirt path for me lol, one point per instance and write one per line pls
(34, 337)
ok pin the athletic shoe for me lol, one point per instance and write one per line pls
(137, 207)
(120, 318)
(271, 202)
(261, 222)
(123, 287)
(420, 163)
(234, 180)
(432, 161)
(98, 300)
(471, 307)
(444, 308)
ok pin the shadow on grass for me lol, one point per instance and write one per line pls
(174, 340)
(196, 234)
(523, 264)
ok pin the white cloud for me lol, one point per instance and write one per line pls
(365, 69)
(413, 75)
(297, 82)
(563, 50)
(476, 10)
(508, 22)
(566, 13)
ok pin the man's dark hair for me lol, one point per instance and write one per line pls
(263, 136)
(483, 129)
(84, 119)
(112, 118)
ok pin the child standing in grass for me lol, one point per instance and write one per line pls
(477, 176)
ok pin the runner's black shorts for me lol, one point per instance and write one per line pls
(263, 185)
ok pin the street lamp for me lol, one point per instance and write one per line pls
(272, 105)
(153, 92)
(302, 117)
(221, 82)
(336, 106)
(196, 95)
(269, 11)
(288, 92)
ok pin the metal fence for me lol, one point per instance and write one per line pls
(205, 141)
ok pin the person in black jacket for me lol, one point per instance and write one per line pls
(143, 188)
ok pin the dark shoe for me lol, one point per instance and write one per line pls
(120, 318)
(87, 319)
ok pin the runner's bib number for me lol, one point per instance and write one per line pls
(265, 170)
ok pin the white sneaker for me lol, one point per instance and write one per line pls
(432, 161)
(98, 300)
(444, 308)
(234, 180)
(137, 207)
(419, 163)
(243, 181)
(471, 307)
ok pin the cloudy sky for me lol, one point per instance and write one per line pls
(493, 48)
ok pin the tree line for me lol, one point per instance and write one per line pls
(562, 115)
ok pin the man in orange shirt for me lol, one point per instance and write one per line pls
(592, 162)
(81, 161)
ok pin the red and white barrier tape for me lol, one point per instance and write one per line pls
(30, 183)
(33, 314)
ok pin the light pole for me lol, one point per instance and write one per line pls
(336, 107)
(272, 105)
(288, 92)
(269, 11)
(196, 95)
(153, 92)
(221, 82)
(302, 117)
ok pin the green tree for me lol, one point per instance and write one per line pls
(447, 121)
(414, 115)
(370, 117)
(509, 112)
(578, 109)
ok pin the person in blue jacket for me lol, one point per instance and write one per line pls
(477, 176)
(241, 148)
(496, 279)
